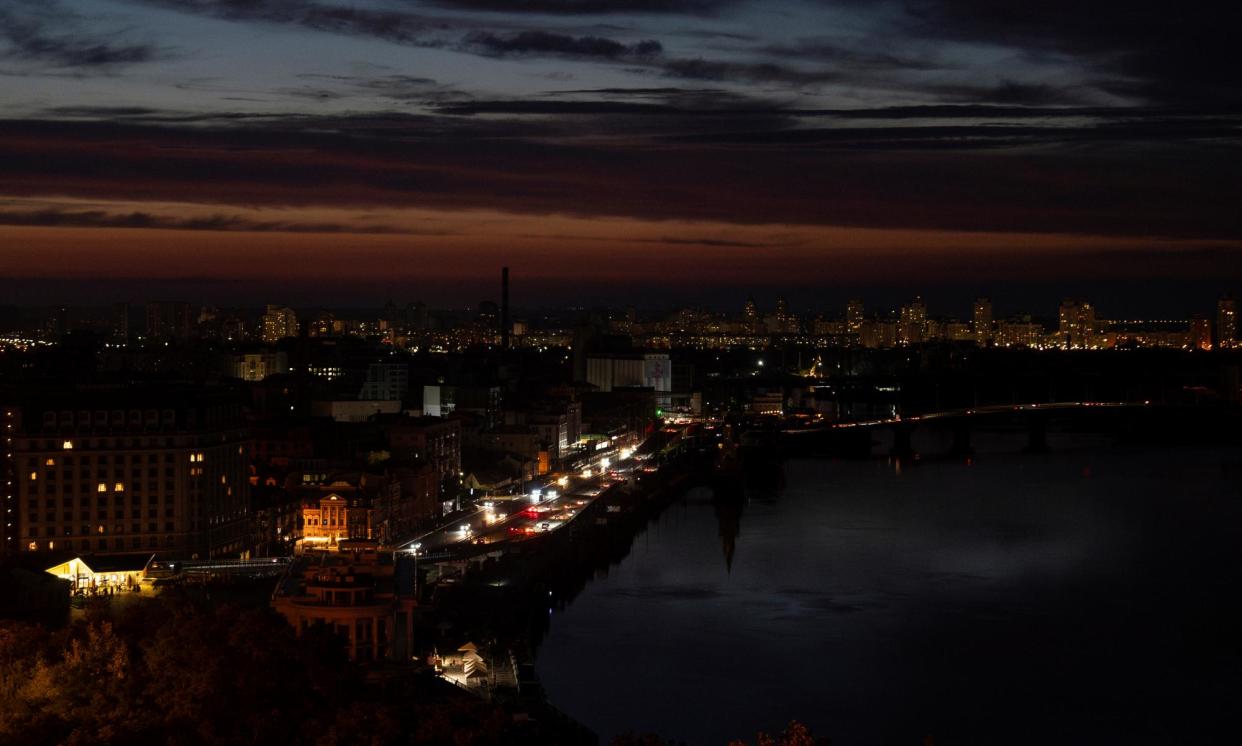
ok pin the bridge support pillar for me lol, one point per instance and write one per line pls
(1037, 432)
(903, 447)
(961, 439)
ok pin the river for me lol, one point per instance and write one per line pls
(1089, 595)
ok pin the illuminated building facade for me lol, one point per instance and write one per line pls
(120, 572)
(1020, 332)
(255, 366)
(912, 328)
(750, 316)
(119, 471)
(1226, 323)
(333, 518)
(981, 323)
(854, 316)
(279, 322)
(1076, 325)
(8, 476)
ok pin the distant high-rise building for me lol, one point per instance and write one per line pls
(982, 322)
(323, 325)
(1076, 325)
(1226, 322)
(506, 323)
(782, 322)
(750, 316)
(416, 316)
(912, 328)
(168, 320)
(279, 322)
(58, 323)
(1067, 318)
(854, 316)
(120, 321)
(489, 317)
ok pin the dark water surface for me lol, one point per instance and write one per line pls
(1087, 596)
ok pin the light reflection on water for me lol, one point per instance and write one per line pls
(1084, 596)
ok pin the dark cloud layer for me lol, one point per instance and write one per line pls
(1162, 51)
(33, 37)
(545, 43)
(395, 26)
(58, 218)
(1133, 180)
(589, 6)
(1110, 118)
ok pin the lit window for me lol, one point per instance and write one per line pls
(102, 487)
(67, 445)
(34, 475)
(118, 487)
(50, 462)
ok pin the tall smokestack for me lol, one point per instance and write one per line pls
(504, 308)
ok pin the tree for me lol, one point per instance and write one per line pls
(795, 734)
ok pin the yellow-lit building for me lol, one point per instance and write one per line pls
(331, 519)
(117, 572)
(116, 471)
(279, 322)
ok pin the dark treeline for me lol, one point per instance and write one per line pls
(178, 670)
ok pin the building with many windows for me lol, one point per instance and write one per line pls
(255, 366)
(1076, 327)
(121, 470)
(386, 382)
(167, 320)
(1226, 323)
(8, 475)
(912, 329)
(981, 323)
(432, 440)
(279, 322)
(854, 316)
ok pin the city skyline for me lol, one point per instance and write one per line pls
(414, 327)
(618, 372)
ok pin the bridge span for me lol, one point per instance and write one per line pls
(856, 436)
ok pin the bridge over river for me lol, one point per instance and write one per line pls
(857, 437)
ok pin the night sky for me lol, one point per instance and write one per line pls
(649, 151)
